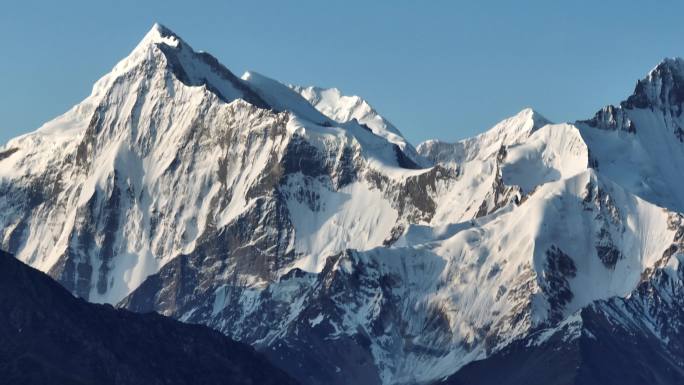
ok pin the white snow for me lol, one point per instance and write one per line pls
(282, 98)
(508, 132)
(648, 162)
(552, 153)
(356, 217)
(342, 108)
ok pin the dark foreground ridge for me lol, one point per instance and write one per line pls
(47, 336)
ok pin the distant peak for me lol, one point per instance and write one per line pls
(529, 114)
(662, 88)
(669, 70)
(671, 64)
(333, 91)
(282, 98)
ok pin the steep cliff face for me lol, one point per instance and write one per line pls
(300, 221)
(638, 144)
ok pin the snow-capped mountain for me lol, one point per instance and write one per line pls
(344, 108)
(170, 147)
(300, 221)
(508, 132)
(632, 339)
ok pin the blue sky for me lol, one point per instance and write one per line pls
(437, 69)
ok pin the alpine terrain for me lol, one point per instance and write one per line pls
(300, 221)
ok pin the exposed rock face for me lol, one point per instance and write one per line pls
(48, 336)
(663, 88)
(501, 195)
(645, 154)
(633, 340)
(612, 118)
(300, 221)
(559, 269)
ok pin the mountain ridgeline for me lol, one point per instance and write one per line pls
(300, 221)
(49, 337)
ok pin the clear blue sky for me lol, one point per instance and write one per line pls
(437, 69)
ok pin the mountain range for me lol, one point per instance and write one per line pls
(299, 220)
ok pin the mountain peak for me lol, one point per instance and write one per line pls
(528, 113)
(523, 123)
(507, 132)
(193, 68)
(157, 38)
(670, 64)
(662, 88)
(159, 34)
(162, 30)
(342, 108)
